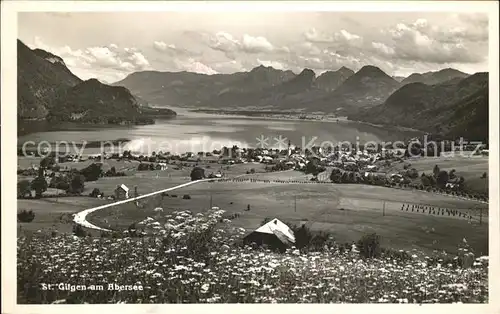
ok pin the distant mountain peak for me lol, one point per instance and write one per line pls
(371, 70)
(345, 69)
(307, 72)
(435, 77)
(262, 68)
(48, 90)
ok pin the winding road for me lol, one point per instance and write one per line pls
(80, 217)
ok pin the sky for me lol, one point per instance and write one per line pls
(110, 45)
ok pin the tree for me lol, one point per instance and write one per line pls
(412, 173)
(425, 181)
(77, 184)
(39, 184)
(60, 182)
(197, 173)
(23, 188)
(442, 179)
(95, 192)
(92, 172)
(436, 171)
(302, 235)
(25, 216)
(314, 167)
(451, 174)
(47, 162)
(352, 178)
(369, 245)
(79, 231)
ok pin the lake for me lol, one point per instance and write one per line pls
(196, 132)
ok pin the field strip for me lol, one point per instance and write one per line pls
(80, 217)
(292, 181)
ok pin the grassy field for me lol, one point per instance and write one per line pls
(54, 213)
(347, 211)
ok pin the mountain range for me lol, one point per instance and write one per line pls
(428, 101)
(48, 90)
(432, 102)
(436, 77)
(458, 107)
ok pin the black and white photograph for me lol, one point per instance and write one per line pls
(253, 154)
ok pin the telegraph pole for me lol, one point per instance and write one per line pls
(383, 210)
(210, 200)
(480, 215)
(295, 203)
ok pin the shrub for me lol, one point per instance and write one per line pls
(79, 231)
(77, 184)
(369, 245)
(95, 192)
(303, 236)
(186, 197)
(23, 188)
(173, 195)
(142, 167)
(39, 184)
(132, 230)
(412, 173)
(197, 173)
(26, 216)
(47, 162)
(92, 172)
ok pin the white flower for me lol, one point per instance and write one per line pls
(204, 288)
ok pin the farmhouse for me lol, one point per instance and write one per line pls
(121, 191)
(275, 234)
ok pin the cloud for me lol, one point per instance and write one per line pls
(419, 41)
(256, 44)
(275, 64)
(110, 60)
(342, 36)
(173, 51)
(160, 45)
(230, 45)
(348, 36)
(312, 35)
(191, 65)
(230, 66)
(383, 48)
(224, 42)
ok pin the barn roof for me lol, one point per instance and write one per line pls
(123, 187)
(277, 228)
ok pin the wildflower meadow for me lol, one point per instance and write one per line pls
(186, 258)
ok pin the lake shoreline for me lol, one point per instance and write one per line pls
(290, 117)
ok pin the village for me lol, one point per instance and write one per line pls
(335, 164)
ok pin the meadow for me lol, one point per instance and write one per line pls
(346, 210)
(196, 258)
